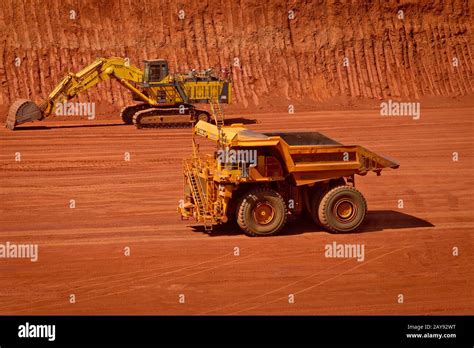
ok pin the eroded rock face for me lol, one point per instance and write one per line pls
(297, 50)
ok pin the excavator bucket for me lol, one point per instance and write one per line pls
(22, 111)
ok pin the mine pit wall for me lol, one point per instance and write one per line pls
(281, 59)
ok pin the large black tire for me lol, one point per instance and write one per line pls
(342, 209)
(318, 193)
(261, 212)
(315, 201)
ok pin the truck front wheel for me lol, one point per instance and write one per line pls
(261, 213)
(342, 209)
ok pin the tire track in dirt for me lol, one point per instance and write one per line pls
(120, 276)
(278, 289)
(319, 283)
(136, 279)
(128, 289)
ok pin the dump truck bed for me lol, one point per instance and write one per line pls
(303, 138)
(308, 156)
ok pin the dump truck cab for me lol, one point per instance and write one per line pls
(260, 178)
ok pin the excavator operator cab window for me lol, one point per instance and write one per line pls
(155, 70)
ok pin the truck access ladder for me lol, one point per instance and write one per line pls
(199, 196)
(217, 112)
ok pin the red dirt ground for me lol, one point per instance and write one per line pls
(133, 204)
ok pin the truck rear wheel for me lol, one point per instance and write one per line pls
(342, 209)
(316, 197)
(261, 213)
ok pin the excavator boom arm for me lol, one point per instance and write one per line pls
(71, 85)
(101, 69)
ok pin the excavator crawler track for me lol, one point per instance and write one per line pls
(126, 114)
(163, 118)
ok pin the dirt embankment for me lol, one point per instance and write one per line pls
(284, 52)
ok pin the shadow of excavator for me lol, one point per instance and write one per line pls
(43, 127)
(375, 221)
(228, 121)
(243, 120)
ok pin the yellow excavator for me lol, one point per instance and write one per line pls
(164, 99)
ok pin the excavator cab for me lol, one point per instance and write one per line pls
(155, 70)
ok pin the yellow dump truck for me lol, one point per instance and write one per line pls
(261, 178)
